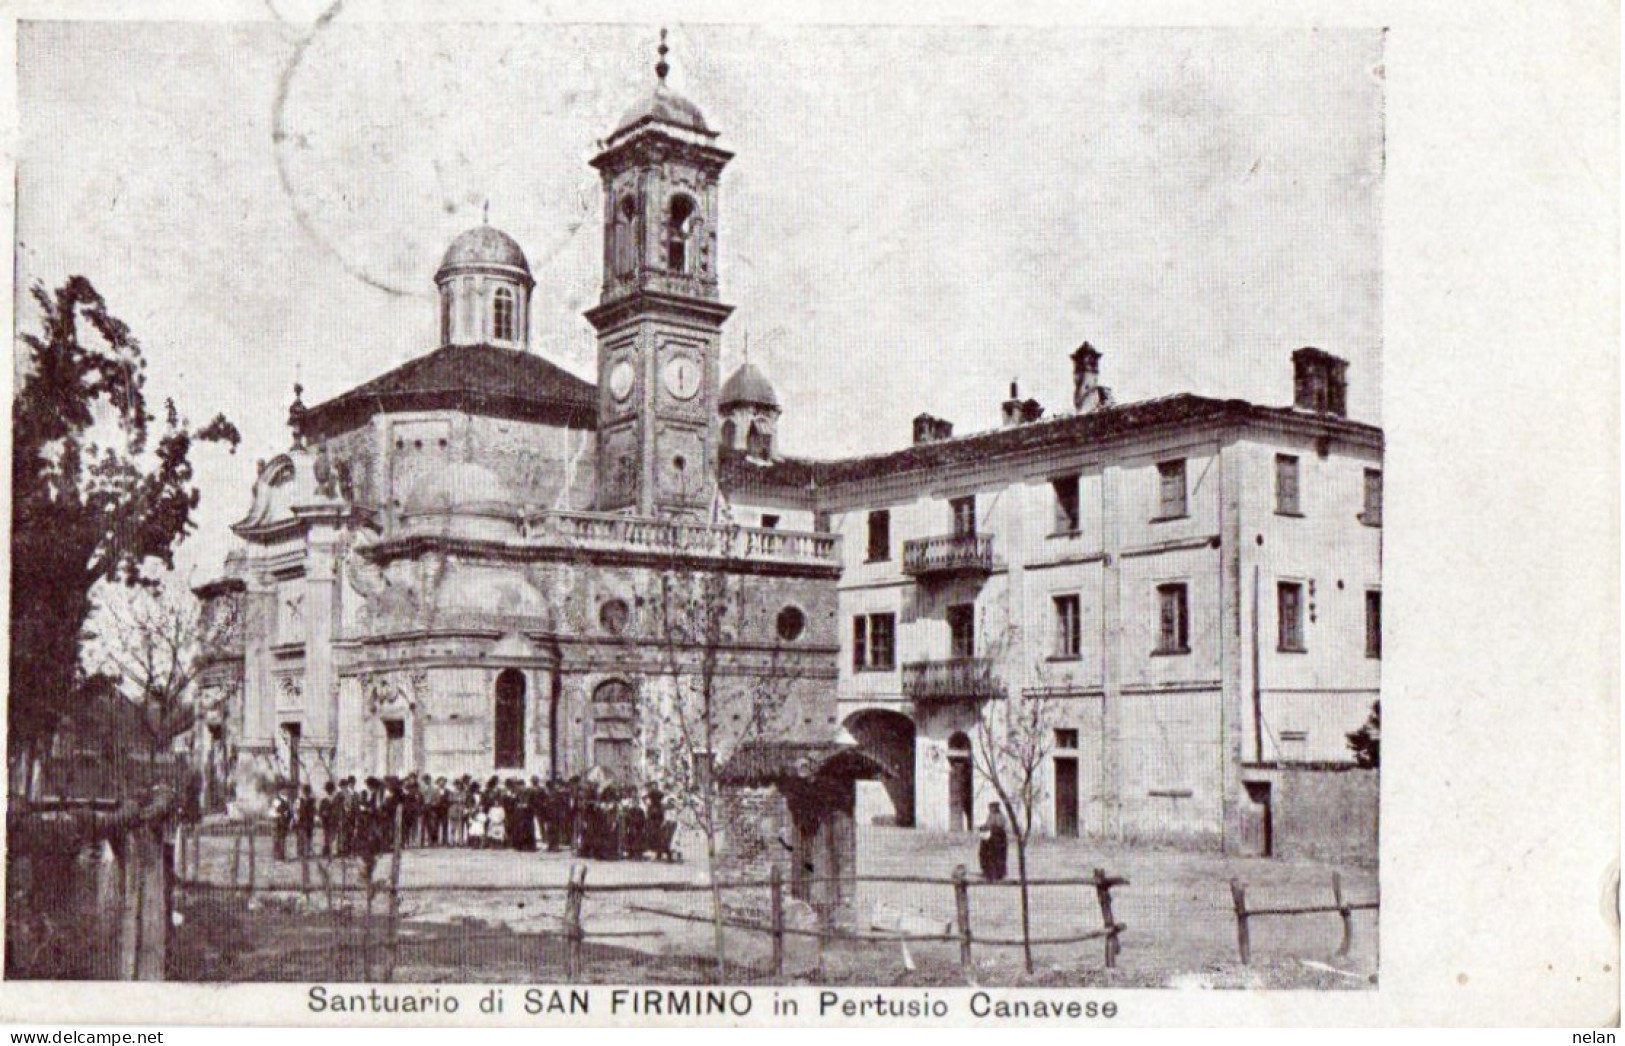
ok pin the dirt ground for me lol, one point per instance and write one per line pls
(496, 915)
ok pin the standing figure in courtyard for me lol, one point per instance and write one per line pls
(993, 852)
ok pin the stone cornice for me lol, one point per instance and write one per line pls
(637, 304)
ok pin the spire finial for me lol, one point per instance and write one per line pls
(486, 214)
(662, 67)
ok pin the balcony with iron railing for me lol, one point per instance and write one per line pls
(952, 679)
(948, 555)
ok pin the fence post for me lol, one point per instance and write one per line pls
(572, 923)
(1344, 914)
(1238, 896)
(394, 897)
(1103, 894)
(250, 858)
(962, 920)
(775, 880)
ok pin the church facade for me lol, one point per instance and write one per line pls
(479, 563)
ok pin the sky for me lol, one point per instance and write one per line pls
(914, 218)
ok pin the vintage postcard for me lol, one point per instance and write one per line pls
(767, 517)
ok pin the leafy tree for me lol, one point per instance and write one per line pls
(1366, 742)
(98, 496)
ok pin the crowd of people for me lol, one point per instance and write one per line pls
(605, 822)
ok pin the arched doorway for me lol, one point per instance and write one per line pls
(961, 812)
(615, 731)
(510, 720)
(888, 737)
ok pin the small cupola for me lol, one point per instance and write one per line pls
(750, 412)
(1320, 382)
(485, 284)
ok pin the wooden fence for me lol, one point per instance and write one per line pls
(106, 919)
(1343, 908)
(576, 891)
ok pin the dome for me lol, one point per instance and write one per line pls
(663, 105)
(484, 246)
(458, 487)
(748, 385)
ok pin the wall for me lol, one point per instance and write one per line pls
(1310, 699)
(1326, 814)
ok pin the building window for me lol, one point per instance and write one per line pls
(1068, 626)
(1065, 738)
(1373, 624)
(1171, 489)
(1289, 606)
(879, 535)
(445, 315)
(1174, 626)
(678, 227)
(624, 245)
(874, 642)
(821, 522)
(962, 630)
(1372, 516)
(964, 510)
(1286, 485)
(770, 521)
(502, 315)
(1066, 505)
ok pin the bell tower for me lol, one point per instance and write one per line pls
(659, 316)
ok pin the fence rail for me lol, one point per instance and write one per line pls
(1344, 909)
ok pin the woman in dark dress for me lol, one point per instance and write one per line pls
(994, 851)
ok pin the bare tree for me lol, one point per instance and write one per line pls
(153, 642)
(709, 711)
(1015, 735)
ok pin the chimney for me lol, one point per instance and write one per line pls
(1320, 382)
(1088, 394)
(1011, 408)
(1018, 411)
(929, 429)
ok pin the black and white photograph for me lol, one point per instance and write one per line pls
(705, 506)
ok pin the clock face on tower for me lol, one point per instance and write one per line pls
(620, 380)
(682, 377)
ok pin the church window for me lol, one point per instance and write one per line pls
(679, 227)
(791, 623)
(614, 731)
(502, 315)
(729, 432)
(613, 616)
(509, 741)
(445, 315)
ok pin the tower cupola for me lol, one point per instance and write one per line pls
(659, 315)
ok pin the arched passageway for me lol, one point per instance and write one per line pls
(888, 737)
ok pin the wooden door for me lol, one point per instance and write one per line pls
(1066, 796)
(961, 818)
(394, 748)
